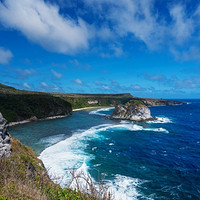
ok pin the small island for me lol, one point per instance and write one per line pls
(133, 110)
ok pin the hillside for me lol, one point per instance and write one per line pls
(23, 176)
(17, 105)
(92, 100)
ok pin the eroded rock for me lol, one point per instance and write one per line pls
(133, 110)
(5, 143)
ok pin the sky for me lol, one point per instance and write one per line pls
(149, 48)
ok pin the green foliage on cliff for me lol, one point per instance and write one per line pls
(24, 177)
(16, 107)
(137, 103)
(82, 100)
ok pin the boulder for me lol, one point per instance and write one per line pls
(5, 143)
(133, 110)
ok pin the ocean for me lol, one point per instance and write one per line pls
(155, 160)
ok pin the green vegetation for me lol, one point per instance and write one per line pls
(17, 107)
(82, 100)
(136, 102)
(24, 177)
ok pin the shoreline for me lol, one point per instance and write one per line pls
(85, 108)
(50, 118)
(29, 120)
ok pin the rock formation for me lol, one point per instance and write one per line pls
(5, 143)
(133, 110)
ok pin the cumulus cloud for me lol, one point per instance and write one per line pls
(182, 26)
(136, 18)
(56, 74)
(192, 53)
(142, 21)
(188, 83)
(26, 85)
(74, 62)
(102, 85)
(44, 84)
(105, 87)
(78, 81)
(155, 77)
(5, 56)
(23, 73)
(174, 82)
(111, 22)
(112, 51)
(42, 23)
(138, 88)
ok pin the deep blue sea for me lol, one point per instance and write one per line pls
(154, 160)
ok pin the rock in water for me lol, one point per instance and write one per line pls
(5, 143)
(133, 110)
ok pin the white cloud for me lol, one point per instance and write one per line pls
(192, 53)
(137, 88)
(23, 73)
(41, 23)
(78, 81)
(56, 74)
(155, 77)
(182, 27)
(44, 84)
(26, 85)
(5, 56)
(140, 20)
(132, 17)
(105, 87)
(189, 83)
(75, 62)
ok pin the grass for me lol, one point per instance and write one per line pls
(23, 177)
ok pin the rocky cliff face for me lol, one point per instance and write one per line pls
(160, 102)
(5, 144)
(132, 110)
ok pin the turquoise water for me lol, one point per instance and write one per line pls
(137, 160)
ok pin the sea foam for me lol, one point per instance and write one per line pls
(50, 140)
(96, 112)
(125, 188)
(69, 154)
(161, 120)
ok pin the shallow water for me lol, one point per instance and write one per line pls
(137, 160)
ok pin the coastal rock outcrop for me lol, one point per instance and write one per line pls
(5, 143)
(133, 110)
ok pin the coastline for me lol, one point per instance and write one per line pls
(30, 120)
(85, 108)
(50, 118)
(63, 116)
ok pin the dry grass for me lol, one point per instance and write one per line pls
(23, 177)
(83, 182)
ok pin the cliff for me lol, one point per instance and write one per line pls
(159, 102)
(18, 107)
(5, 143)
(23, 175)
(133, 110)
(92, 100)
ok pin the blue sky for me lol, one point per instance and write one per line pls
(150, 48)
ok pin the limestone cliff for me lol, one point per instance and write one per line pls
(5, 144)
(133, 110)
